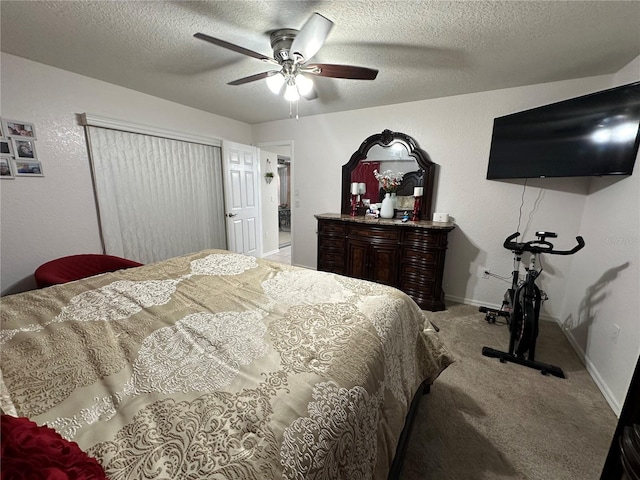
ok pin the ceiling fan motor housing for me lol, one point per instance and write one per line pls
(281, 41)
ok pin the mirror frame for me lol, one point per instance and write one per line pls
(386, 139)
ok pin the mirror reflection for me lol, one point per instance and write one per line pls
(394, 159)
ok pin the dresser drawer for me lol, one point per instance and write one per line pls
(418, 272)
(424, 238)
(331, 228)
(332, 258)
(419, 257)
(331, 243)
(373, 234)
(416, 288)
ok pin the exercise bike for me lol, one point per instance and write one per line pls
(521, 304)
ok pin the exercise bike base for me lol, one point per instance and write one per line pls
(544, 368)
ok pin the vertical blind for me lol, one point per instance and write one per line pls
(157, 197)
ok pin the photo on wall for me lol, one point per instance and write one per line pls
(6, 168)
(23, 148)
(15, 128)
(28, 169)
(6, 147)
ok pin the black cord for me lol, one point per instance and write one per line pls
(524, 187)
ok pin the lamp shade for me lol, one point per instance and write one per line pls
(291, 93)
(275, 83)
(304, 84)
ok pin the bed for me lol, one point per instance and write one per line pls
(220, 365)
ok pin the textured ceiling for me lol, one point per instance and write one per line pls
(423, 49)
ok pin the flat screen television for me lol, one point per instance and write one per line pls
(595, 134)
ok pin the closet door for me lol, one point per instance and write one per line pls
(157, 197)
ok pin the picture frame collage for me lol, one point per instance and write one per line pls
(18, 157)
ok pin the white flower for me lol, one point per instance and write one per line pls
(389, 181)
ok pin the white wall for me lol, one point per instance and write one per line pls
(53, 216)
(456, 133)
(605, 281)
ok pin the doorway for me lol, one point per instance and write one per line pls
(284, 201)
(279, 217)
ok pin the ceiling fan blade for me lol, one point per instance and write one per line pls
(235, 48)
(253, 78)
(341, 71)
(310, 38)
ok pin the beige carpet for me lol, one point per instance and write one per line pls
(489, 420)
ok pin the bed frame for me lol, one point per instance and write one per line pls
(405, 435)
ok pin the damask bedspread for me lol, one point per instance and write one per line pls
(220, 365)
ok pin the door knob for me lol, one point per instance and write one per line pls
(231, 215)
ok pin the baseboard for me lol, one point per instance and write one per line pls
(470, 301)
(591, 369)
(272, 252)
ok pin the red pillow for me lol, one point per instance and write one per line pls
(33, 452)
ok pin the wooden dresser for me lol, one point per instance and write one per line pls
(409, 256)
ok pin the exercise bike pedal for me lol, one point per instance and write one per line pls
(492, 314)
(490, 318)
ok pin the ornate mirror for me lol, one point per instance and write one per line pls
(393, 151)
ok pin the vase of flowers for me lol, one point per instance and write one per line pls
(389, 182)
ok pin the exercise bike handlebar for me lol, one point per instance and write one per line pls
(539, 246)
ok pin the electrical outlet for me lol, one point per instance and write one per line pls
(486, 273)
(615, 333)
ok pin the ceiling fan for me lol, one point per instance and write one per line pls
(292, 50)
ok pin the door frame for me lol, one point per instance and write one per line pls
(294, 195)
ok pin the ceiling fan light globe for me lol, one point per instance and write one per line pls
(304, 84)
(291, 93)
(275, 83)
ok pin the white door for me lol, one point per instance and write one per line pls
(242, 207)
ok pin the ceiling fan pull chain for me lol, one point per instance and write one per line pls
(291, 109)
